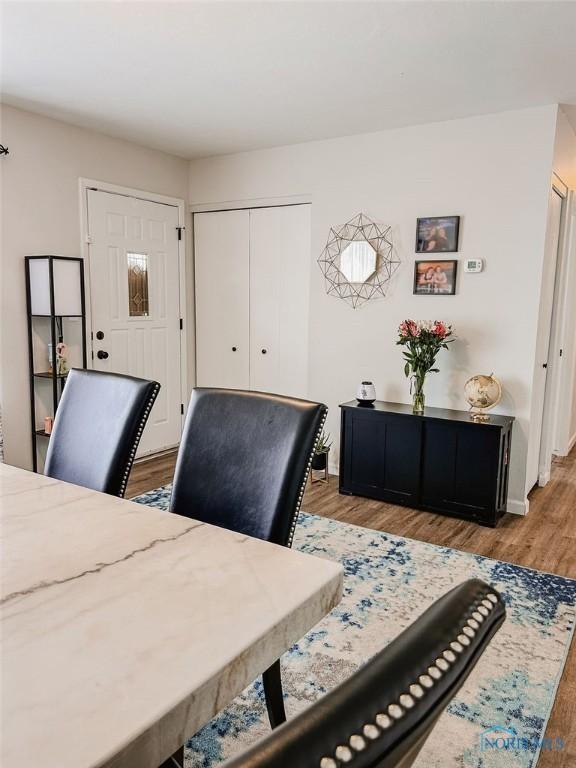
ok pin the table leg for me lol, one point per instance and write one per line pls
(272, 680)
(176, 761)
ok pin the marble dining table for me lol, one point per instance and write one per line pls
(125, 629)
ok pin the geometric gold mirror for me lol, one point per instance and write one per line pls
(358, 260)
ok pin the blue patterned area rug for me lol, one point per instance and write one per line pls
(389, 581)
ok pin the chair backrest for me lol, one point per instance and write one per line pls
(244, 460)
(382, 715)
(97, 429)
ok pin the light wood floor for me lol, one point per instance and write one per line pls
(545, 539)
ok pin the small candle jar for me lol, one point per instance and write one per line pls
(366, 393)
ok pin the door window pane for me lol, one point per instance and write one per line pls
(138, 284)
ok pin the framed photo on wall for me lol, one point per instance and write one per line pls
(435, 278)
(437, 234)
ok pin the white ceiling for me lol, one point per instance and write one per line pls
(199, 79)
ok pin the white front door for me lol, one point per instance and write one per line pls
(135, 301)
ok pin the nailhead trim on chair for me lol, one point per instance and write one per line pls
(417, 690)
(396, 710)
(371, 731)
(304, 481)
(141, 426)
(383, 721)
(344, 754)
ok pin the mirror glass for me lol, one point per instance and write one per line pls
(358, 261)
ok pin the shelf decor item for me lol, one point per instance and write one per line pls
(56, 310)
(482, 393)
(61, 355)
(358, 260)
(422, 340)
(366, 393)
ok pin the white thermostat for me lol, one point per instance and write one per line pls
(473, 265)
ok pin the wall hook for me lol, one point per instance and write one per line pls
(3, 150)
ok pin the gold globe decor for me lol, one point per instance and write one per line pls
(482, 392)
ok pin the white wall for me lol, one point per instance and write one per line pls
(494, 171)
(41, 214)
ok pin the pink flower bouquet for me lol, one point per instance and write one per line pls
(422, 340)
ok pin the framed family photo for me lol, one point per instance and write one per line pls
(437, 234)
(435, 278)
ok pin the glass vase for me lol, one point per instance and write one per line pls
(418, 400)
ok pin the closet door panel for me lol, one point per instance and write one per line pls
(222, 284)
(279, 299)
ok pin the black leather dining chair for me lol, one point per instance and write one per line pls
(382, 715)
(243, 464)
(98, 425)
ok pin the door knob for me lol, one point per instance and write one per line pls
(264, 351)
(234, 349)
(101, 354)
(99, 335)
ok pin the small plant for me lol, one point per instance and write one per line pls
(324, 443)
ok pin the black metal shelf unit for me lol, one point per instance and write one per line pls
(56, 334)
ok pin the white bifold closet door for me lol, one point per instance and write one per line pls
(222, 284)
(252, 297)
(279, 298)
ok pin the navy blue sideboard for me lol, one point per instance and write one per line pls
(440, 461)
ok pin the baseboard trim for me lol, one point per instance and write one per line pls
(517, 507)
(155, 455)
(543, 479)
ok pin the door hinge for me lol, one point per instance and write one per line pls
(181, 325)
(89, 240)
(561, 353)
(180, 230)
(182, 408)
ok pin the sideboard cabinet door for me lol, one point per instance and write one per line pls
(382, 455)
(460, 468)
